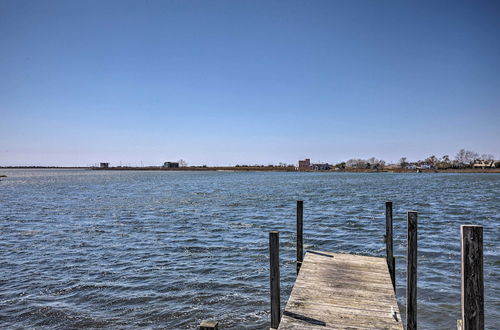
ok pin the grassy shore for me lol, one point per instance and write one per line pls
(258, 169)
(293, 169)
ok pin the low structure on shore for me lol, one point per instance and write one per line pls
(321, 167)
(171, 165)
(484, 164)
(305, 165)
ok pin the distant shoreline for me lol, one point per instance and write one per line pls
(254, 169)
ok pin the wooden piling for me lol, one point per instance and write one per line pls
(209, 325)
(300, 234)
(274, 267)
(472, 277)
(391, 261)
(411, 289)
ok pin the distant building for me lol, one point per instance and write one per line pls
(304, 165)
(321, 167)
(483, 164)
(104, 165)
(171, 165)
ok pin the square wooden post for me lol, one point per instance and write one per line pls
(300, 234)
(391, 261)
(411, 289)
(274, 267)
(472, 277)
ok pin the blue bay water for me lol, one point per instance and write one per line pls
(106, 249)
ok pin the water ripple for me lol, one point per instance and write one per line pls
(92, 249)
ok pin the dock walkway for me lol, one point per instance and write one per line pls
(342, 291)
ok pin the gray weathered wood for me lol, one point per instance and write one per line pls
(274, 267)
(209, 325)
(391, 261)
(411, 282)
(472, 277)
(341, 291)
(300, 234)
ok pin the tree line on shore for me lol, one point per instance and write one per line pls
(463, 159)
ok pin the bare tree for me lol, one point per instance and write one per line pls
(466, 157)
(471, 156)
(403, 163)
(372, 163)
(460, 156)
(444, 162)
(356, 163)
(182, 163)
(432, 160)
(487, 157)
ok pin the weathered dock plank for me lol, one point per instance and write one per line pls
(342, 291)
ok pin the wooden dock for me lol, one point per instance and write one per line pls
(342, 291)
(347, 291)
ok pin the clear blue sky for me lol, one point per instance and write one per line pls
(228, 82)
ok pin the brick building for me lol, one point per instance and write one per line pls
(305, 165)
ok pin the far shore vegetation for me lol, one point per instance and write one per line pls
(464, 161)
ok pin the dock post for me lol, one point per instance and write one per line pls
(391, 261)
(274, 267)
(472, 277)
(209, 325)
(411, 282)
(300, 234)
